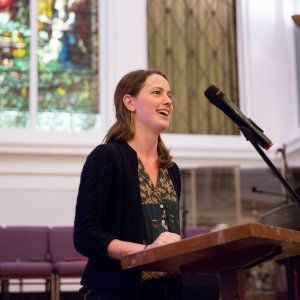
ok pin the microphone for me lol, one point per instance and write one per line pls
(219, 99)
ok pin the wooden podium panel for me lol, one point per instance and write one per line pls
(216, 251)
(227, 252)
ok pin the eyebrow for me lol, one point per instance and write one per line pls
(158, 87)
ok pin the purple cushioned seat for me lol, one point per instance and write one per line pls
(67, 262)
(67, 269)
(24, 253)
(23, 269)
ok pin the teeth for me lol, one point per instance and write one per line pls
(163, 112)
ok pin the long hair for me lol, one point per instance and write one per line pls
(123, 128)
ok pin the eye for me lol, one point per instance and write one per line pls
(157, 92)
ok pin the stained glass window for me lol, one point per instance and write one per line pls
(68, 64)
(14, 63)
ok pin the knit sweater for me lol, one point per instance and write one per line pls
(109, 207)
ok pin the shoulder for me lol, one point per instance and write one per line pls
(174, 172)
(175, 177)
(110, 153)
(113, 146)
(101, 150)
(175, 169)
(100, 156)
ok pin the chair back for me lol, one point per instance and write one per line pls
(61, 245)
(23, 243)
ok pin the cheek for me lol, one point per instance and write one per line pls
(143, 113)
(146, 108)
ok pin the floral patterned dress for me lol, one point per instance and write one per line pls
(159, 203)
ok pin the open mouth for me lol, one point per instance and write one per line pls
(163, 112)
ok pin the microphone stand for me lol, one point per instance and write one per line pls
(285, 202)
(255, 190)
(288, 261)
(249, 137)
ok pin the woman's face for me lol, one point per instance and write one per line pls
(153, 105)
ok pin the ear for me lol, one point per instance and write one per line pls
(128, 101)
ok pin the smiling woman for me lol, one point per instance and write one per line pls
(124, 128)
(129, 194)
(152, 107)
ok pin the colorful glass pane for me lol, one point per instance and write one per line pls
(14, 63)
(68, 65)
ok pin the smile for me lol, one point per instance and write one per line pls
(163, 112)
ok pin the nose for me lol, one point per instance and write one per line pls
(168, 100)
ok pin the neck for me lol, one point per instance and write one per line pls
(145, 145)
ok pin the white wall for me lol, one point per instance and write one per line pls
(124, 46)
(39, 171)
(269, 67)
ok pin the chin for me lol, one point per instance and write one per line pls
(163, 128)
(159, 127)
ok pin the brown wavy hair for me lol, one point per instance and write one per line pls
(122, 129)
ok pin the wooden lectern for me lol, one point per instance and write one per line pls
(228, 252)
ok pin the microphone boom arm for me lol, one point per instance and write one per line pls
(249, 137)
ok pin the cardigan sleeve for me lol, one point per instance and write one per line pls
(90, 239)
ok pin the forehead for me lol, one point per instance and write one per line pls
(156, 80)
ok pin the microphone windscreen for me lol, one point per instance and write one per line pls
(212, 92)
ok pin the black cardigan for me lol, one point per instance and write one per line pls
(109, 207)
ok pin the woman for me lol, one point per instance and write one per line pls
(129, 192)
